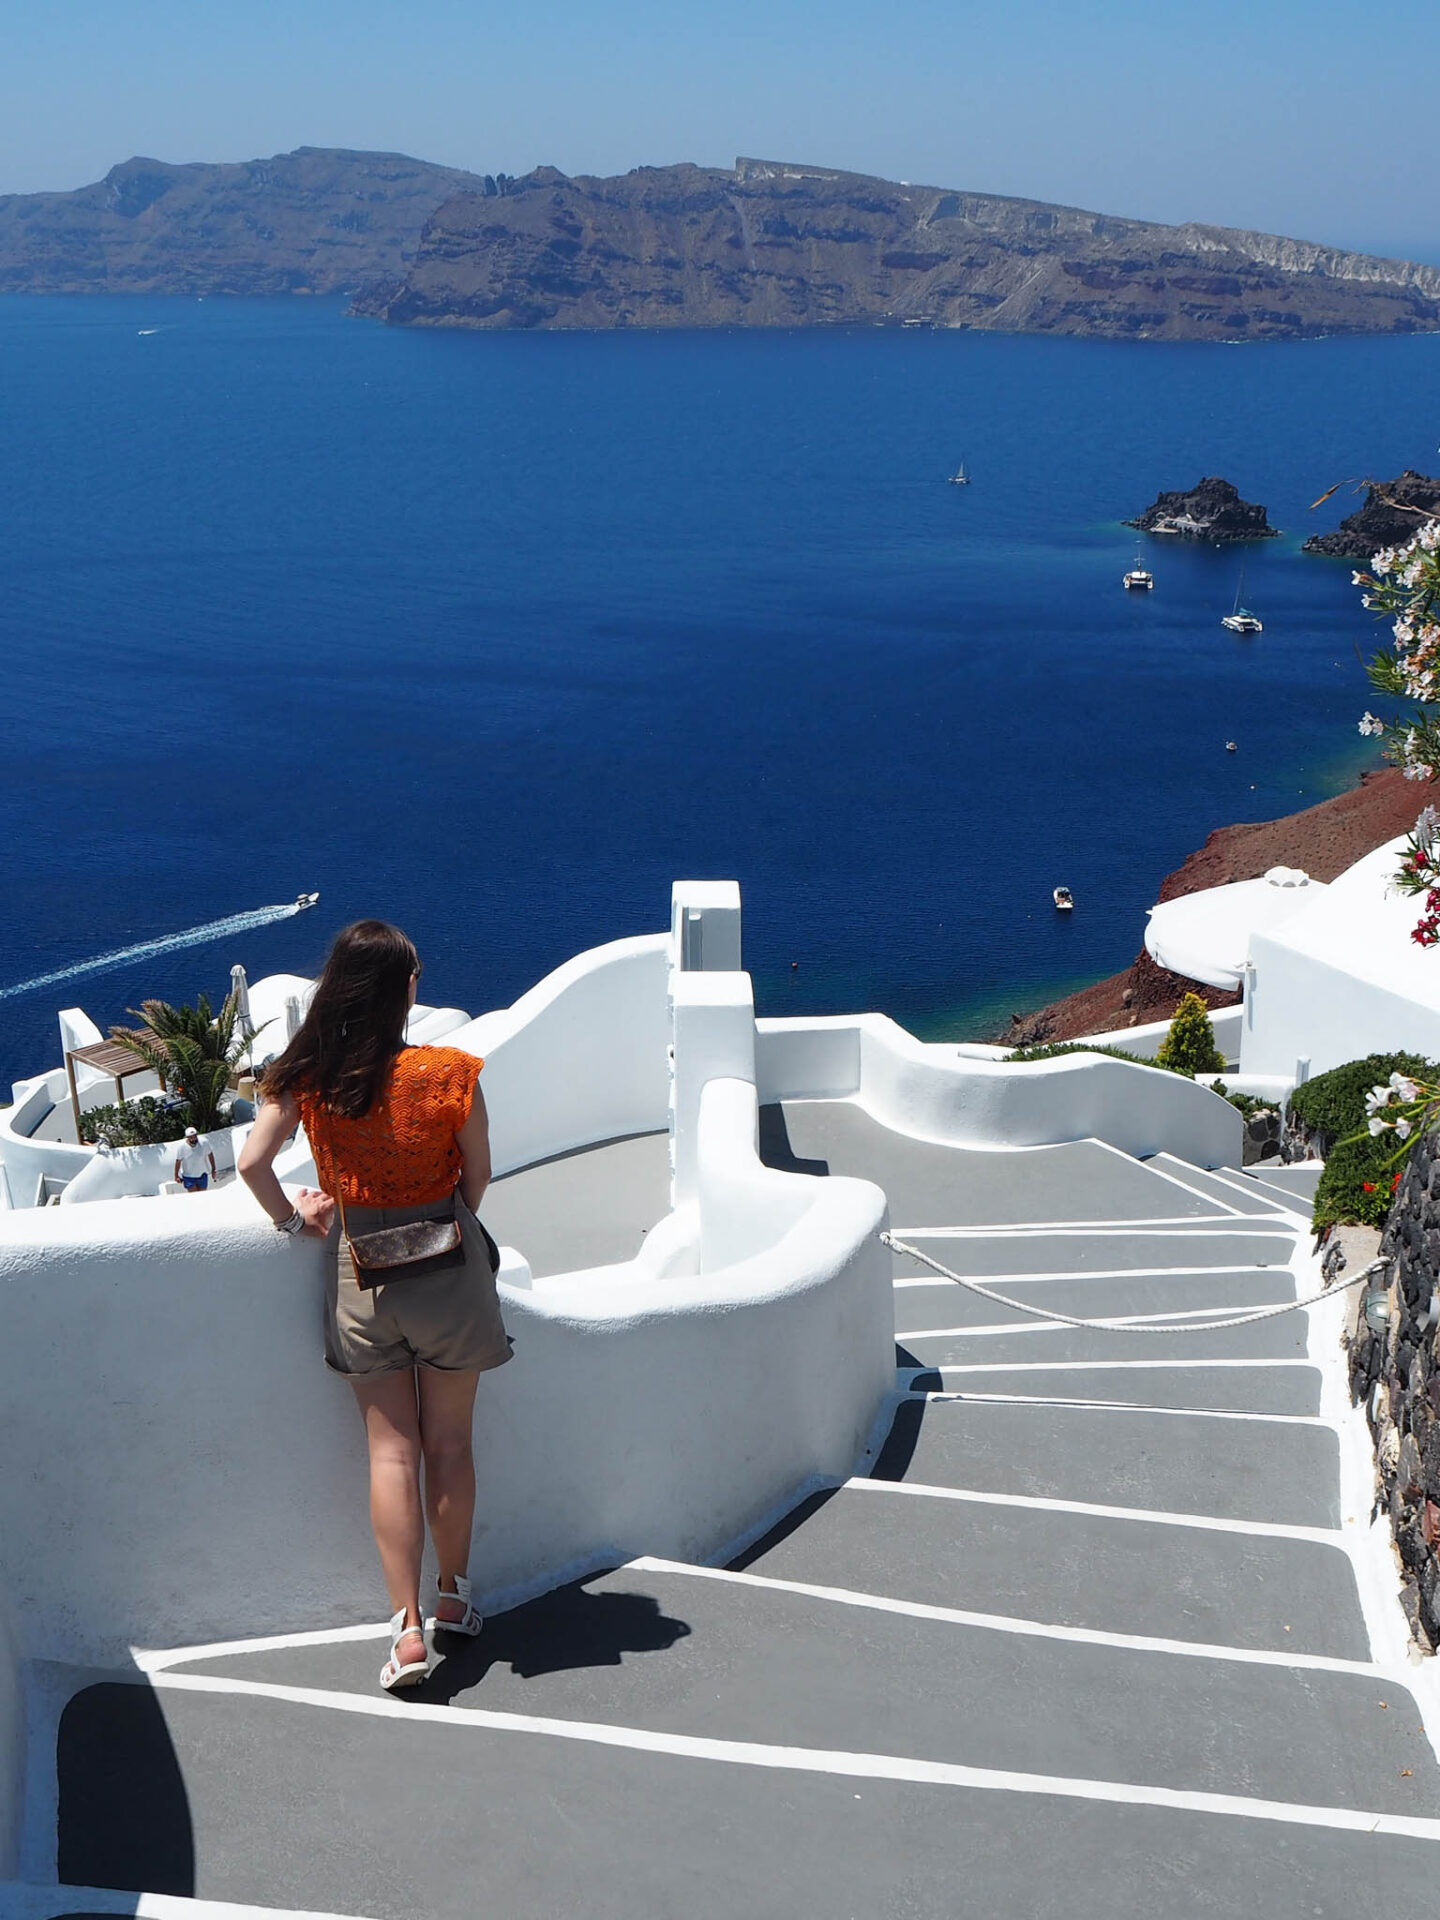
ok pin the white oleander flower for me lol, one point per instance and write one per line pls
(1429, 536)
(1403, 1087)
(1377, 1125)
(1371, 727)
(1403, 1127)
(1358, 579)
(1376, 1098)
(1411, 765)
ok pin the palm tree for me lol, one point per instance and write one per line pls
(192, 1049)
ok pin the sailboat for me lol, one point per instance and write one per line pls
(960, 478)
(1240, 619)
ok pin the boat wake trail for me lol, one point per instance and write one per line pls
(170, 943)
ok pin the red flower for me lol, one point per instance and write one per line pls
(1369, 1186)
(1394, 1184)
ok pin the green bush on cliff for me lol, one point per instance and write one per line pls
(1333, 1103)
(1189, 1047)
(1357, 1185)
(1053, 1049)
(1361, 1170)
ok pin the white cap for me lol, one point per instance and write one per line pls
(192, 1133)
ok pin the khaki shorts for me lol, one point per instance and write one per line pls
(449, 1320)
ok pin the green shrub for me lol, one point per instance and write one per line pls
(1246, 1103)
(1189, 1047)
(146, 1122)
(1358, 1183)
(1333, 1103)
(1057, 1047)
(1359, 1180)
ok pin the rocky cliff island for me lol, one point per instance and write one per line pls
(765, 243)
(1383, 520)
(319, 220)
(1211, 511)
(774, 244)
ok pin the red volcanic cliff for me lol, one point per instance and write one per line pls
(1324, 840)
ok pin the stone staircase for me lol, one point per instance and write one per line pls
(1083, 1638)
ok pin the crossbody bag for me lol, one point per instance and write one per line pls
(386, 1254)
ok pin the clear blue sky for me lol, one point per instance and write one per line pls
(1307, 117)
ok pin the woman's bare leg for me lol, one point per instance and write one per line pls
(391, 1412)
(447, 1408)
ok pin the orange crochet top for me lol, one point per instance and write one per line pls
(402, 1153)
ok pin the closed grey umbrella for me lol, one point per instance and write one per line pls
(293, 1016)
(240, 987)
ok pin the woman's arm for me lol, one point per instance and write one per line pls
(274, 1124)
(473, 1140)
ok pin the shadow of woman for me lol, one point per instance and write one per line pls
(570, 1627)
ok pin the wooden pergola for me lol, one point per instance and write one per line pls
(110, 1057)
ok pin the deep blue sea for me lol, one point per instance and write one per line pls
(494, 635)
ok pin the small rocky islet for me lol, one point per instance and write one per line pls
(1211, 511)
(1382, 520)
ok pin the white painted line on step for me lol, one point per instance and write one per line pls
(1104, 1366)
(1279, 1198)
(1200, 1193)
(1017, 1624)
(32, 1902)
(1105, 1323)
(833, 1762)
(1266, 1225)
(1120, 1406)
(1152, 1516)
(1243, 1271)
(157, 1660)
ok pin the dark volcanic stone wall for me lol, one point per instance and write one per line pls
(1396, 1373)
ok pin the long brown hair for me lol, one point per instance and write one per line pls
(356, 1022)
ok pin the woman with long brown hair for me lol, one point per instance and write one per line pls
(400, 1135)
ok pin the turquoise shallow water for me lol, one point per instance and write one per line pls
(495, 635)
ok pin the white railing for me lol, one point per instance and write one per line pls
(936, 1093)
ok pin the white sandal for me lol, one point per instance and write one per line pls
(396, 1673)
(471, 1620)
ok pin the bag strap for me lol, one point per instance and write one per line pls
(340, 1201)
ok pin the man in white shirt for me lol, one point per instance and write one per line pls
(194, 1163)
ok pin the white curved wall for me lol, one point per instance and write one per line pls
(936, 1094)
(198, 1428)
(132, 1170)
(581, 1057)
(12, 1747)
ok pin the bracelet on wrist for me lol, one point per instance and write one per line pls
(293, 1225)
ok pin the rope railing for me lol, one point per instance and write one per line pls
(1148, 1325)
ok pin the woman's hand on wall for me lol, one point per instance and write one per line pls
(316, 1209)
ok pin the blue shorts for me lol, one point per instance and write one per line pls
(198, 1184)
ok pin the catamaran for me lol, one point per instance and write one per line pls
(1240, 619)
(1138, 577)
